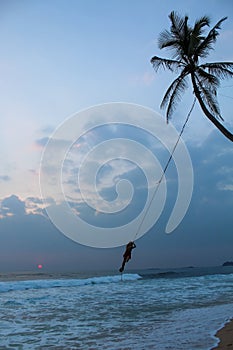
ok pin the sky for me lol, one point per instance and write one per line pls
(62, 57)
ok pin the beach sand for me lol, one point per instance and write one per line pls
(225, 335)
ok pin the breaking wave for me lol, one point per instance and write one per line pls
(51, 283)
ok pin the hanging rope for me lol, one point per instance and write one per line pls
(164, 170)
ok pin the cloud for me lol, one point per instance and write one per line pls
(26, 241)
(213, 176)
(203, 238)
(35, 200)
(47, 129)
(145, 79)
(35, 205)
(226, 187)
(42, 142)
(12, 206)
(5, 178)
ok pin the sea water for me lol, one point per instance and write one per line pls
(178, 309)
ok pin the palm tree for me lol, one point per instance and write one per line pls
(189, 45)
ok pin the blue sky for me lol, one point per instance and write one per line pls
(60, 57)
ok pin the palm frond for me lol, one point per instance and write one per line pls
(196, 35)
(169, 92)
(218, 24)
(165, 39)
(212, 102)
(200, 23)
(164, 63)
(206, 45)
(173, 95)
(209, 80)
(177, 24)
(222, 70)
(209, 96)
(179, 36)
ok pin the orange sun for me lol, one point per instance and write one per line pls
(40, 266)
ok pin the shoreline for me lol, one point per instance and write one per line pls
(225, 337)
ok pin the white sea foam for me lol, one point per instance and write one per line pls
(52, 283)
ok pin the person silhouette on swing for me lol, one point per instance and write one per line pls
(127, 254)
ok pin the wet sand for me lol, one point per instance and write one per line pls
(225, 335)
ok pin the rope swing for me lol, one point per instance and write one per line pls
(131, 245)
(164, 171)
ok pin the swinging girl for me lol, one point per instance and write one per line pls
(127, 254)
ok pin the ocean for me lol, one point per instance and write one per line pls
(178, 309)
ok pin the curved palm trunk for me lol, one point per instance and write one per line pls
(220, 127)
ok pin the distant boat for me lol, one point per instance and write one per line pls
(228, 263)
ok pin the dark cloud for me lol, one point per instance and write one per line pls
(213, 169)
(12, 206)
(204, 237)
(42, 141)
(26, 241)
(5, 178)
(47, 129)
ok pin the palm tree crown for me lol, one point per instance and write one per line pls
(188, 46)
